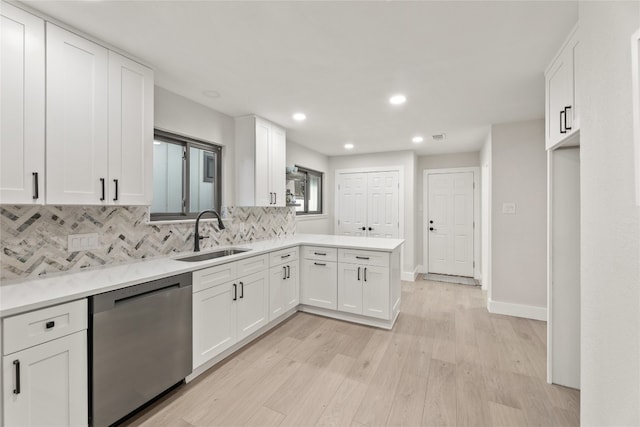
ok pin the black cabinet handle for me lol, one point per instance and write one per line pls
(285, 256)
(320, 253)
(284, 272)
(35, 185)
(320, 264)
(288, 272)
(50, 324)
(566, 113)
(358, 273)
(16, 364)
(275, 198)
(241, 289)
(115, 181)
(365, 274)
(102, 184)
(563, 115)
(235, 292)
(362, 257)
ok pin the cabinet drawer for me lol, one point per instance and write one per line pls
(285, 255)
(252, 265)
(212, 276)
(37, 327)
(357, 256)
(320, 253)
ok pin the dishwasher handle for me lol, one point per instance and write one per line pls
(108, 300)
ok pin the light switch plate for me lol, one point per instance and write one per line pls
(82, 242)
(509, 208)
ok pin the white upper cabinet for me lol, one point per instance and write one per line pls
(260, 162)
(562, 107)
(77, 99)
(99, 124)
(22, 79)
(130, 132)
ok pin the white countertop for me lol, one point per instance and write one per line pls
(23, 295)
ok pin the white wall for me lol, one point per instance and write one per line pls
(518, 242)
(610, 229)
(305, 157)
(485, 214)
(407, 159)
(443, 161)
(175, 113)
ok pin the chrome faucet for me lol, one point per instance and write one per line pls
(196, 236)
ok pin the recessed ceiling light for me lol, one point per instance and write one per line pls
(417, 139)
(397, 99)
(348, 146)
(211, 93)
(299, 116)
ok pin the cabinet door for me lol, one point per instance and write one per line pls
(22, 119)
(277, 165)
(253, 303)
(557, 83)
(130, 132)
(263, 194)
(76, 119)
(292, 287)
(350, 288)
(319, 284)
(375, 292)
(277, 284)
(214, 322)
(53, 384)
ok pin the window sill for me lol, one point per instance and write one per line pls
(311, 217)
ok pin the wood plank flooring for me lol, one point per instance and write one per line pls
(447, 362)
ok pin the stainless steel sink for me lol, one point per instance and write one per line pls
(212, 255)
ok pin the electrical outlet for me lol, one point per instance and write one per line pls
(82, 242)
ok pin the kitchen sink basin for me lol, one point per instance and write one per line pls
(212, 255)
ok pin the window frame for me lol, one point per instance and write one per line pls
(320, 175)
(187, 143)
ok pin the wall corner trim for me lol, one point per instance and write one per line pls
(517, 310)
(409, 276)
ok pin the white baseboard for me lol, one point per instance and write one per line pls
(517, 310)
(408, 276)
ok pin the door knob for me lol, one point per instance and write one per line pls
(432, 229)
(364, 228)
(430, 221)
(370, 229)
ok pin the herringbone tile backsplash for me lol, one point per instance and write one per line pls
(34, 238)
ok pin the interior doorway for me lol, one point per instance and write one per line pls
(451, 211)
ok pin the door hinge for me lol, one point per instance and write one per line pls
(338, 222)
(474, 264)
(474, 185)
(474, 224)
(338, 187)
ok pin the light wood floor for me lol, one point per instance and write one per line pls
(446, 362)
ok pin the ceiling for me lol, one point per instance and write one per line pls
(462, 65)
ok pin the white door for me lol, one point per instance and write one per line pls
(449, 223)
(350, 287)
(22, 118)
(130, 132)
(76, 151)
(214, 322)
(52, 389)
(277, 165)
(382, 204)
(319, 283)
(352, 201)
(253, 303)
(375, 292)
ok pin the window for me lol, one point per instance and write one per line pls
(307, 190)
(186, 176)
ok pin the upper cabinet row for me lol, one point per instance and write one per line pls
(562, 110)
(98, 125)
(260, 162)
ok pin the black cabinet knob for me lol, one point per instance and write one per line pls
(370, 229)
(364, 228)
(431, 228)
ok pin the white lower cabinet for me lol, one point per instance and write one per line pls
(45, 373)
(284, 283)
(225, 313)
(319, 283)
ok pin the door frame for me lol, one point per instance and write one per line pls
(475, 170)
(399, 169)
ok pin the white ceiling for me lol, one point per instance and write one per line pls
(462, 65)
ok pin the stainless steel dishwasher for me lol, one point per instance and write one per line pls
(141, 345)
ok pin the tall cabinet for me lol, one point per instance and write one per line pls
(260, 162)
(22, 79)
